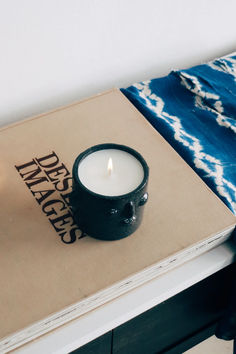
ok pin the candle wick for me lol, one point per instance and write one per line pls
(110, 166)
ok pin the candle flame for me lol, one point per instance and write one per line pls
(110, 166)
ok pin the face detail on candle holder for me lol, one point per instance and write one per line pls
(128, 215)
(109, 191)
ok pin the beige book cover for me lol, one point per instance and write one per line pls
(49, 272)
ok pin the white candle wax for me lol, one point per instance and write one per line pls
(125, 172)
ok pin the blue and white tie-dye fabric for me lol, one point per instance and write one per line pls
(195, 111)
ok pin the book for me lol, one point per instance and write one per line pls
(50, 272)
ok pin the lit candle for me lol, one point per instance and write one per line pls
(110, 172)
(109, 191)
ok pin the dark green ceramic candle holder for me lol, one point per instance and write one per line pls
(108, 217)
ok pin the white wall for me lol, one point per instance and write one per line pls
(54, 52)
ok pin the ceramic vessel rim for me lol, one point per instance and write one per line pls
(98, 147)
